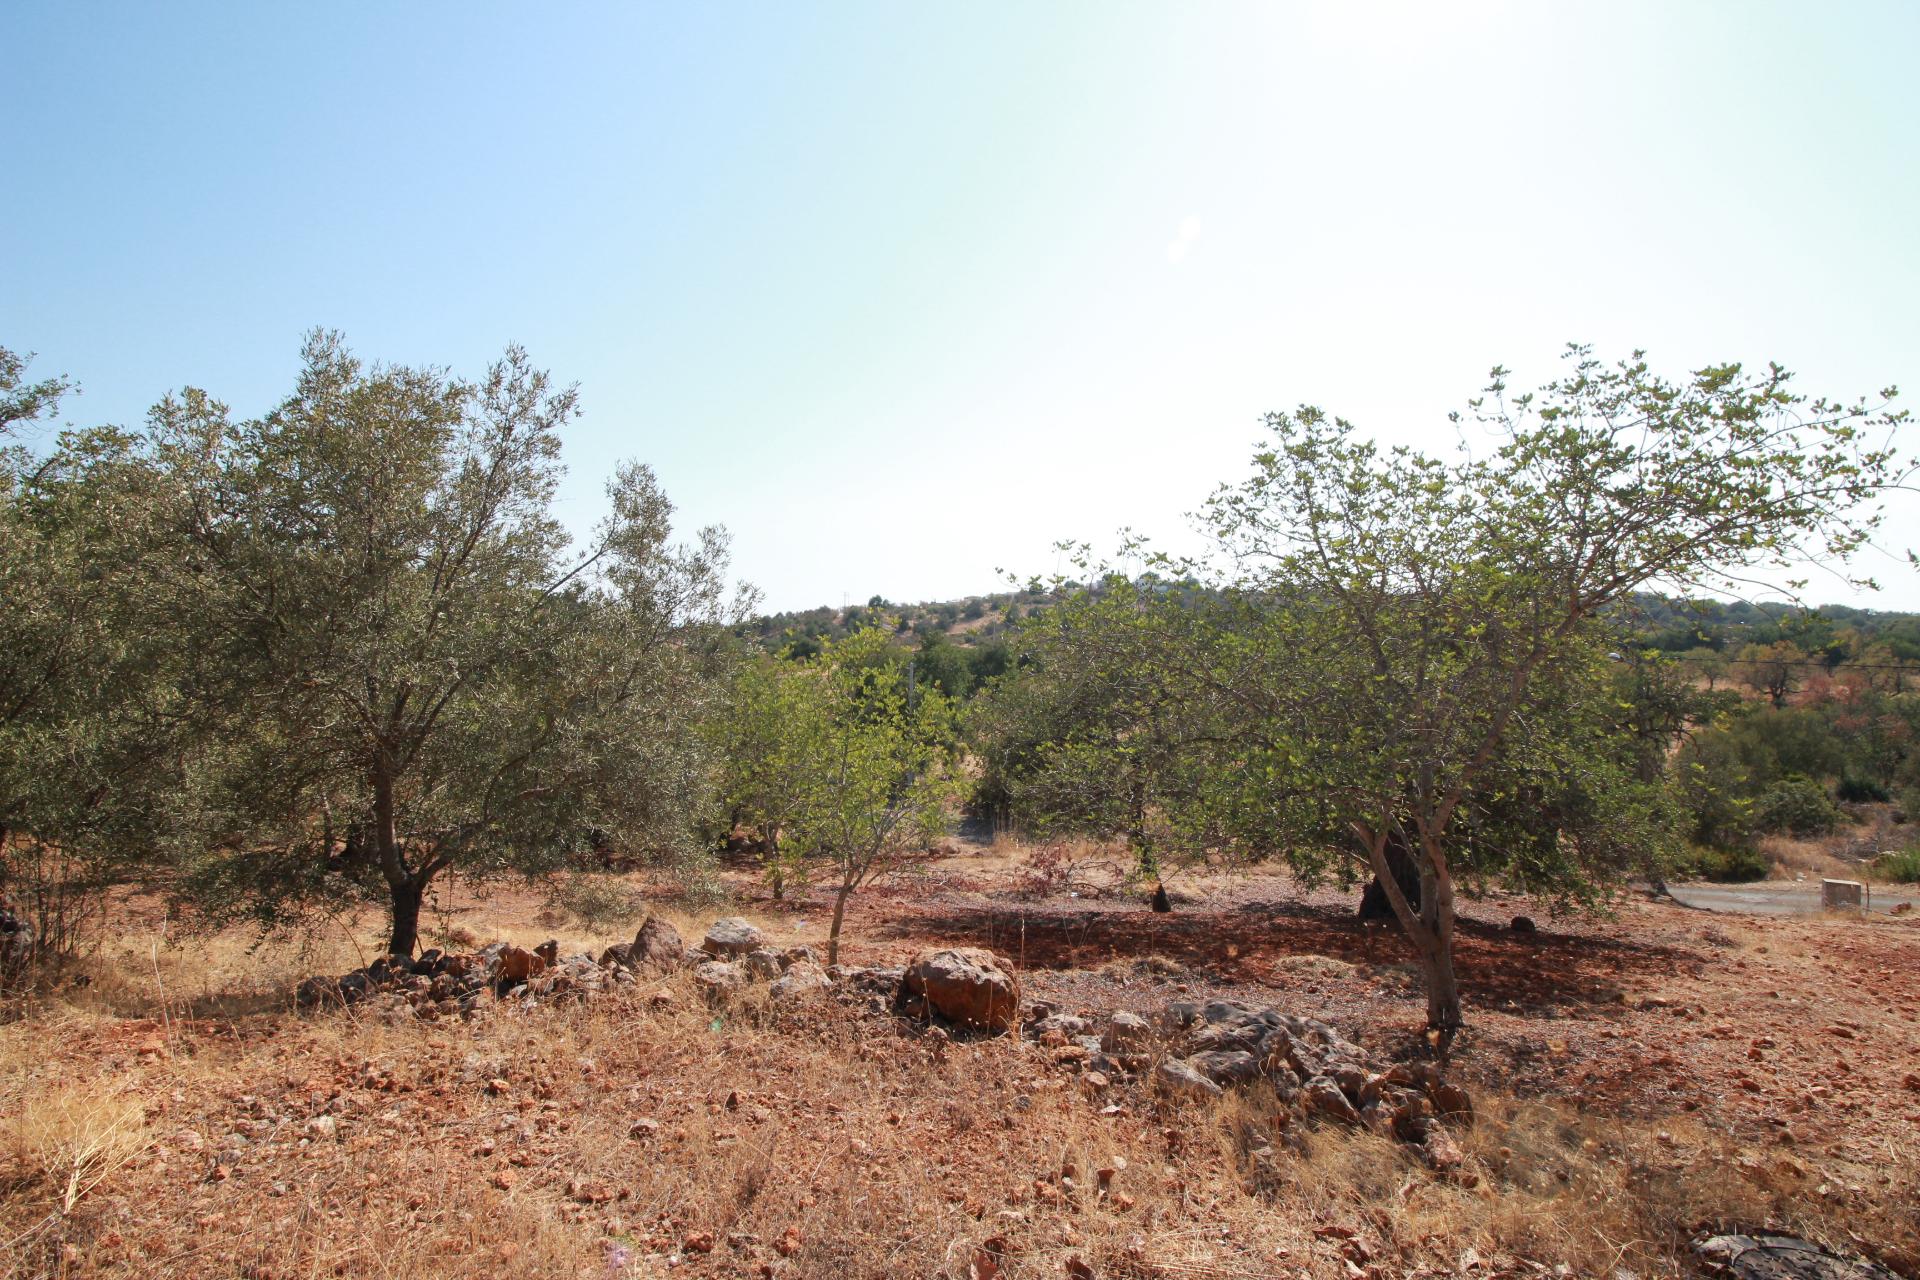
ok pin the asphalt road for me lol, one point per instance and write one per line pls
(1782, 898)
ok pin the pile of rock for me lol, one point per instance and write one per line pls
(1189, 1049)
(735, 955)
(1202, 1050)
(440, 984)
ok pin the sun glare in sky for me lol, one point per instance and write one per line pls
(904, 295)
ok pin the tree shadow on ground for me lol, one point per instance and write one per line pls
(1241, 944)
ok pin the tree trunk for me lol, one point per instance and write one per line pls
(407, 897)
(405, 888)
(1429, 927)
(1137, 828)
(1437, 915)
(839, 915)
(1443, 990)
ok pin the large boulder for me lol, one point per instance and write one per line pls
(968, 986)
(656, 946)
(732, 936)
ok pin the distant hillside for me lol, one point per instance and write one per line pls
(971, 620)
(962, 643)
(1677, 625)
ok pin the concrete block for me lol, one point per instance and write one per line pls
(1842, 895)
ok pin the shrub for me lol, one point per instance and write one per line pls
(1729, 865)
(60, 900)
(1901, 866)
(1797, 806)
(1854, 789)
(596, 902)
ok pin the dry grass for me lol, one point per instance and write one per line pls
(177, 1120)
(1812, 858)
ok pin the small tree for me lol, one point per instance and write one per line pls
(763, 738)
(1449, 609)
(1772, 669)
(410, 671)
(874, 763)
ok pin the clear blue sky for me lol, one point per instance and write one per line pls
(903, 294)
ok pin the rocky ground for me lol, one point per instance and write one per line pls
(1238, 1088)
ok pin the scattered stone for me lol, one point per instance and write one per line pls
(968, 986)
(719, 977)
(1322, 1096)
(802, 979)
(732, 936)
(1770, 1257)
(1126, 1033)
(1226, 1066)
(764, 964)
(1176, 1076)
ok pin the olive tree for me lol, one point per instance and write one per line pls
(411, 668)
(1449, 608)
(88, 728)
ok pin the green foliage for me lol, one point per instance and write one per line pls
(408, 668)
(1796, 806)
(838, 757)
(90, 722)
(1096, 729)
(1712, 789)
(1901, 866)
(1729, 865)
(598, 903)
(1411, 651)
